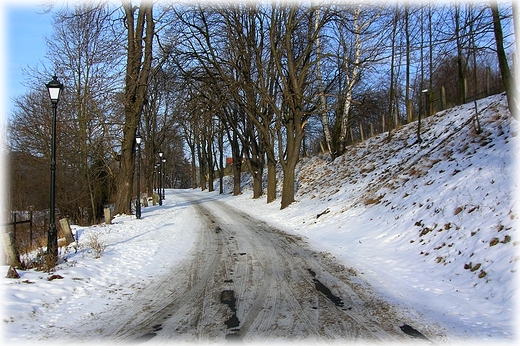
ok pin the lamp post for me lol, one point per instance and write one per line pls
(158, 165)
(156, 182)
(159, 177)
(54, 87)
(164, 175)
(138, 140)
(155, 170)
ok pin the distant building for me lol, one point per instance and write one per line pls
(229, 161)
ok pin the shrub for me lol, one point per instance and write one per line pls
(97, 245)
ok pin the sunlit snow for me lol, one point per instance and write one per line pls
(430, 225)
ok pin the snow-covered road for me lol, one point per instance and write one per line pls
(439, 251)
(245, 280)
(198, 270)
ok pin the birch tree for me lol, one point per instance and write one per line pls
(360, 42)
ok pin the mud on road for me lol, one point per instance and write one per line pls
(246, 281)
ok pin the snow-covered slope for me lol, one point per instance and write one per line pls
(448, 203)
(433, 223)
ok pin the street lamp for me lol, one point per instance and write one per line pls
(164, 175)
(159, 177)
(426, 102)
(54, 87)
(138, 140)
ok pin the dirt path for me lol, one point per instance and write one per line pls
(248, 282)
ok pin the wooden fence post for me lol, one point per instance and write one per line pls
(443, 98)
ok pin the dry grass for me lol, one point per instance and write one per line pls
(373, 200)
(96, 245)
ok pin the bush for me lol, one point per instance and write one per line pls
(95, 244)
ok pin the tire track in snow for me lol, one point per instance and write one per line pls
(281, 307)
(180, 297)
(268, 272)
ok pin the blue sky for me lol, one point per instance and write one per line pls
(26, 27)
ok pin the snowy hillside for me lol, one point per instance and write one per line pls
(433, 223)
(432, 227)
(448, 203)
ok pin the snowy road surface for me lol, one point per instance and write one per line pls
(247, 281)
(441, 249)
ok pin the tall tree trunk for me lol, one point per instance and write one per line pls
(460, 57)
(210, 160)
(295, 131)
(256, 158)
(234, 140)
(477, 126)
(392, 82)
(237, 162)
(202, 165)
(193, 165)
(408, 105)
(237, 174)
(271, 176)
(507, 78)
(294, 85)
(351, 81)
(323, 100)
(139, 59)
(288, 185)
(421, 85)
(430, 67)
(221, 160)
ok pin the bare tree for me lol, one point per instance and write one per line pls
(358, 33)
(292, 36)
(83, 51)
(29, 130)
(256, 83)
(139, 24)
(86, 51)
